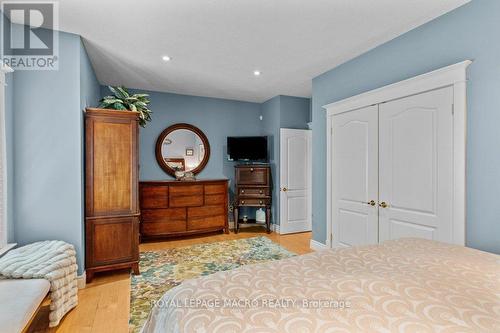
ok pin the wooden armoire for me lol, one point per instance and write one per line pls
(111, 186)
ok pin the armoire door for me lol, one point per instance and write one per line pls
(111, 163)
(416, 166)
(355, 177)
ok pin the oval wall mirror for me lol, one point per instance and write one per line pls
(182, 147)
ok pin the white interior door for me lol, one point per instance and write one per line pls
(355, 177)
(295, 180)
(416, 166)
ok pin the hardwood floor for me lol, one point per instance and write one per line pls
(104, 303)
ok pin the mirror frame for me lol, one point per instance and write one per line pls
(170, 129)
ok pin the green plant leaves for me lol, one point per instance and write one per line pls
(123, 100)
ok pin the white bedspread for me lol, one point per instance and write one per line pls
(407, 285)
(54, 261)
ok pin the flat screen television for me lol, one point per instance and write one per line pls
(247, 148)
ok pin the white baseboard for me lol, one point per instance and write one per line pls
(274, 227)
(317, 246)
(81, 280)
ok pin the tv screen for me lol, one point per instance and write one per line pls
(248, 148)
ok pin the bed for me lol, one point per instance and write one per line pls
(406, 285)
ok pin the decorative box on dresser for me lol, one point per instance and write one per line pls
(253, 189)
(112, 200)
(179, 208)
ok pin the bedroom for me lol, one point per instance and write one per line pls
(289, 72)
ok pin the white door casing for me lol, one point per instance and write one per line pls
(454, 76)
(355, 175)
(295, 180)
(416, 163)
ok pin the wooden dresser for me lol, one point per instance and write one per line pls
(111, 191)
(253, 189)
(177, 208)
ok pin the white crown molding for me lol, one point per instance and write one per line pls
(432, 80)
(317, 246)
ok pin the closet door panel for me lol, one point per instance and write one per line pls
(416, 163)
(355, 175)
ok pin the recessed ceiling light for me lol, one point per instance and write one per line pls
(256, 73)
(166, 58)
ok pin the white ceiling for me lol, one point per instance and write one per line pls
(216, 45)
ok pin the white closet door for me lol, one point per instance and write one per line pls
(355, 177)
(416, 166)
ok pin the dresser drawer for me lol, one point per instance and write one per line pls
(154, 196)
(162, 228)
(215, 189)
(254, 202)
(162, 215)
(200, 223)
(206, 211)
(186, 201)
(252, 176)
(253, 191)
(215, 199)
(180, 190)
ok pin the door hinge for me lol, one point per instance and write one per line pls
(453, 109)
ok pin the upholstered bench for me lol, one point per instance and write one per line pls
(20, 300)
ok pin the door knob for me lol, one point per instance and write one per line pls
(383, 204)
(285, 189)
(371, 203)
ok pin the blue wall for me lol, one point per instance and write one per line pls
(282, 112)
(469, 32)
(271, 111)
(48, 159)
(217, 118)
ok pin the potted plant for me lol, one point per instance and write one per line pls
(123, 100)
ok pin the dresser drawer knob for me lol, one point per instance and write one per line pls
(242, 202)
(242, 191)
(261, 192)
(251, 169)
(260, 202)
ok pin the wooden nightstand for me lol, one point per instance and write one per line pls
(253, 189)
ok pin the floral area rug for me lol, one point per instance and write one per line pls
(165, 269)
